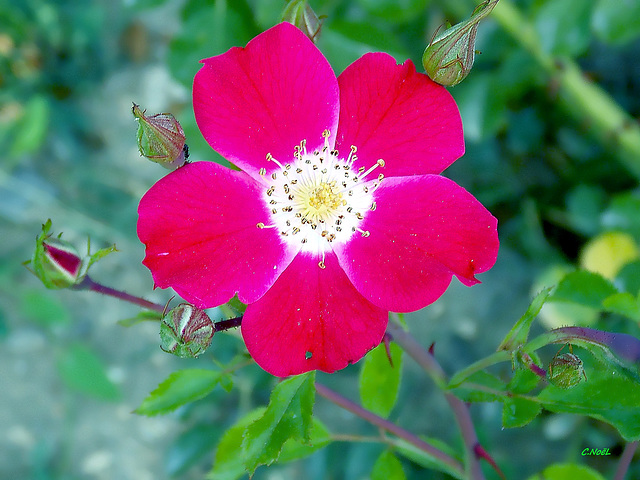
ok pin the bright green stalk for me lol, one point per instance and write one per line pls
(590, 104)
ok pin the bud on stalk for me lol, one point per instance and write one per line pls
(449, 57)
(161, 138)
(300, 14)
(186, 331)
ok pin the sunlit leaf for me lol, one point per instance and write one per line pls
(517, 412)
(379, 381)
(178, 389)
(288, 416)
(387, 467)
(567, 471)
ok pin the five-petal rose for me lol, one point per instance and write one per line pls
(339, 214)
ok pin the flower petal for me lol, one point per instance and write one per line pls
(199, 226)
(311, 312)
(266, 98)
(390, 111)
(424, 230)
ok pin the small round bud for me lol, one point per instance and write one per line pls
(449, 57)
(566, 370)
(56, 262)
(300, 14)
(186, 331)
(161, 138)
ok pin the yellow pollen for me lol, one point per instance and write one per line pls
(322, 200)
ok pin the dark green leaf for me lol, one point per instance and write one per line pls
(387, 467)
(481, 387)
(628, 278)
(294, 450)
(288, 416)
(379, 381)
(83, 371)
(584, 288)
(622, 214)
(517, 412)
(179, 388)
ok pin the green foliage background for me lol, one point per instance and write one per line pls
(70, 376)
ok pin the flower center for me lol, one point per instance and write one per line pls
(319, 198)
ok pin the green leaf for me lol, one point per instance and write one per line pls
(616, 21)
(426, 460)
(287, 416)
(622, 214)
(387, 467)
(567, 471)
(523, 380)
(623, 304)
(475, 367)
(83, 371)
(44, 309)
(611, 393)
(229, 461)
(520, 332)
(144, 316)
(294, 450)
(178, 389)
(584, 288)
(100, 254)
(481, 387)
(379, 381)
(31, 129)
(518, 412)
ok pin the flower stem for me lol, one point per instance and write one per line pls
(625, 460)
(391, 427)
(88, 284)
(430, 365)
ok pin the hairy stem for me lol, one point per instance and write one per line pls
(460, 410)
(388, 426)
(88, 284)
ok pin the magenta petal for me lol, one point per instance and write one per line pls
(424, 230)
(311, 319)
(266, 98)
(390, 111)
(199, 226)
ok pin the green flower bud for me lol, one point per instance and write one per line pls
(449, 57)
(186, 331)
(56, 262)
(300, 14)
(566, 370)
(161, 138)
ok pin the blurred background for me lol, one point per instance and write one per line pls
(563, 187)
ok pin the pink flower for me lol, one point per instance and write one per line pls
(338, 215)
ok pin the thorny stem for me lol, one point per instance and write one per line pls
(391, 427)
(430, 365)
(625, 460)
